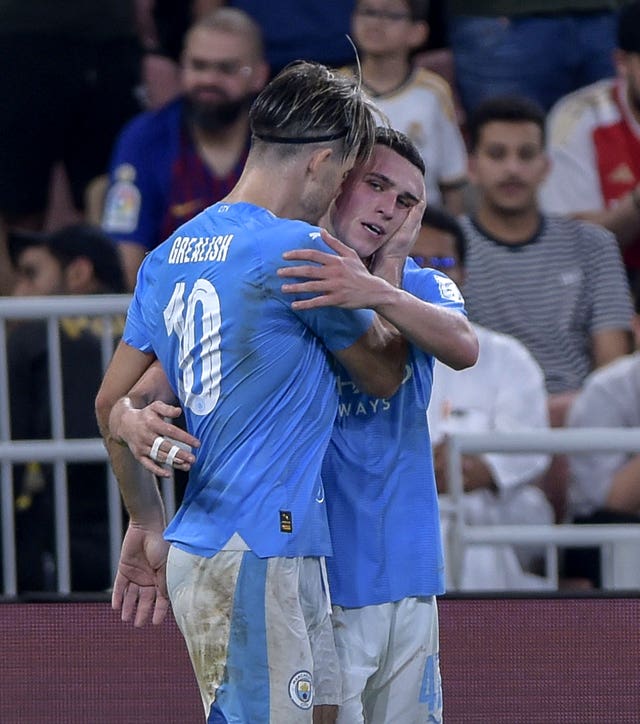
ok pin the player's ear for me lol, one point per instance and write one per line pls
(318, 158)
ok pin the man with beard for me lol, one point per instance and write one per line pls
(170, 164)
(594, 137)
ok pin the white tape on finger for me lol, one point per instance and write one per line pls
(153, 453)
(176, 446)
(171, 455)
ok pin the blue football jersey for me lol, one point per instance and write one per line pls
(252, 375)
(379, 480)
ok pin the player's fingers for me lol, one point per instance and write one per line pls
(154, 468)
(177, 434)
(146, 601)
(310, 287)
(314, 255)
(160, 610)
(323, 300)
(335, 243)
(164, 409)
(117, 595)
(129, 602)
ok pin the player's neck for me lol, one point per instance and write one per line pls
(383, 74)
(256, 186)
(510, 228)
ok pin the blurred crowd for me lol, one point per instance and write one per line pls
(123, 120)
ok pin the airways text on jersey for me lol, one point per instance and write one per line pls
(353, 402)
(186, 249)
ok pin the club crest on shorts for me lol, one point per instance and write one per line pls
(301, 689)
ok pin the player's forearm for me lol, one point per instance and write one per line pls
(138, 488)
(444, 333)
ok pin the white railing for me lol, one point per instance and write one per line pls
(619, 544)
(58, 450)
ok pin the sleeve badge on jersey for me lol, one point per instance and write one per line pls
(448, 289)
(122, 205)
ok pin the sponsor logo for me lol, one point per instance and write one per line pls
(447, 289)
(301, 689)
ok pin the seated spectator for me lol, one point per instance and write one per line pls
(556, 284)
(170, 164)
(603, 487)
(594, 144)
(74, 260)
(416, 101)
(71, 80)
(540, 49)
(504, 391)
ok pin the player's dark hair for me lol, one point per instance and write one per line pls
(629, 27)
(401, 144)
(86, 240)
(509, 109)
(308, 103)
(439, 218)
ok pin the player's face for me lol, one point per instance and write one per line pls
(39, 273)
(436, 249)
(381, 27)
(508, 165)
(375, 200)
(221, 75)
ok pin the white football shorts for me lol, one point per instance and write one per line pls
(258, 631)
(389, 656)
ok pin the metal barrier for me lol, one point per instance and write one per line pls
(58, 450)
(619, 544)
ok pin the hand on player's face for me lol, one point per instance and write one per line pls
(375, 201)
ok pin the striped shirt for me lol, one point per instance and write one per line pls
(552, 292)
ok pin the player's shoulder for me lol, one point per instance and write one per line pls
(430, 285)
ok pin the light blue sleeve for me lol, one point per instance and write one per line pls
(136, 333)
(337, 328)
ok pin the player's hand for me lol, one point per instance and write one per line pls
(140, 589)
(397, 248)
(154, 442)
(335, 280)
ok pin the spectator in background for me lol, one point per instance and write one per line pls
(70, 81)
(603, 487)
(556, 284)
(594, 143)
(75, 260)
(541, 49)
(503, 391)
(417, 101)
(292, 30)
(170, 164)
(301, 29)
